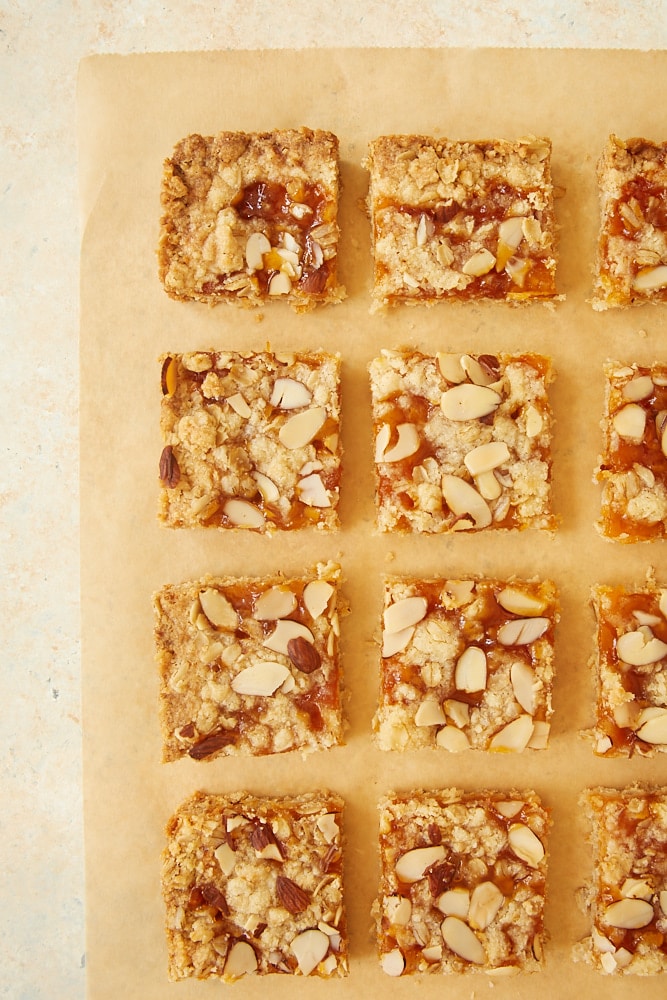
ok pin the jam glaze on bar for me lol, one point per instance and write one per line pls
(252, 217)
(249, 666)
(633, 466)
(631, 669)
(627, 896)
(253, 886)
(250, 440)
(462, 883)
(632, 246)
(466, 664)
(461, 220)
(462, 442)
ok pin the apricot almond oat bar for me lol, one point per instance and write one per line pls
(249, 666)
(631, 670)
(462, 883)
(461, 220)
(631, 265)
(627, 895)
(633, 466)
(466, 664)
(253, 886)
(462, 442)
(252, 217)
(251, 440)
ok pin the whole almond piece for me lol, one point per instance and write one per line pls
(303, 655)
(291, 896)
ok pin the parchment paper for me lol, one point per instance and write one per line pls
(132, 112)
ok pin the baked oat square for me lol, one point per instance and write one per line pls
(249, 666)
(252, 217)
(253, 886)
(466, 664)
(250, 440)
(633, 465)
(462, 442)
(631, 266)
(627, 895)
(461, 220)
(462, 882)
(631, 670)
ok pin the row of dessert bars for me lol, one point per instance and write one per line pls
(255, 885)
(462, 442)
(249, 217)
(252, 665)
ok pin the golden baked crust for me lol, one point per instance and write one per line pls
(462, 883)
(627, 896)
(253, 886)
(461, 220)
(249, 666)
(466, 664)
(631, 266)
(252, 217)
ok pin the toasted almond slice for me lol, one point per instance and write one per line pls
(243, 514)
(510, 235)
(407, 444)
(462, 498)
(649, 279)
(476, 372)
(451, 367)
(219, 611)
(452, 739)
(280, 284)
(392, 962)
(636, 888)
(329, 827)
(470, 672)
(226, 858)
(459, 592)
(403, 613)
(241, 960)
(396, 642)
(640, 647)
(398, 910)
(479, 263)
(514, 737)
(654, 730)
(509, 807)
(412, 865)
(485, 902)
(644, 618)
(309, 948)
(629, 914)
(267, 487)
(524, 686)
(313, 492)
(239, 405)
(432, 953)
(488, 485)
(458, 712)
(630, 422)
(454, 902)
(517, 268)
(316, 597)
(522, 631)
(285, 630)
(525, 844)
(640, 387)
(290, 394)
(300, 429)
(262, 679)
(276, 602)
(520, 602)
(540, 738)
(460, 939)
(257, 245)
(534, 421)
(486, 457)
(430, 713)
(469, 401)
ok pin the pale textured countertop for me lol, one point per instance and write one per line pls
(42, 946)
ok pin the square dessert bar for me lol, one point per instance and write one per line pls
(252, 217)
(633, 465)
(631, 669)
(461, 220)
(466, 664)
(462, 883)
(462, 442)
(254, 886)
(250, 440)
(249, 666)
(627, 896)
(632, 245)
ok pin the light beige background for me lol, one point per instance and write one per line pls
(132, 111)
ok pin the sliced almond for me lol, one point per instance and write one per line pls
(257, 245)
(261, 679)
(458, 712)
(243, 514)
(525, 844)
(226, 858)
(276, 602)
(290, 394)
(316, 597)
(540, 737)
(486, 457)
(451, 367)
(640, 387)
(396, 642)
(452, 739)
(328, 826)
(517, 269)
(488, 485)
(485, 902)
(654, 730)
(412, 865)
(509, 807)
(313, 492)
(462, 498)
(524, 686)
(280, 284)
(398, 910)
(522, 631)
(309, 948)
(534, 421)
(640, 647)
(510, 235)
(392, 962)
(459, 592)
(403, 613)
(454, 902)
(479, 263)
(469, 401)
(630, 422)
(241, 960)
(629, 914)
(285, 630)
(300, 429)
(219, 611)
(430, 713)
(267, 487)
(432, 953)
(460, 939)
(650, 279)
(407, 444)
(520, 602)
(239, 405)
(514, 737)
(644, 618)
(636, 888)
(470, 672)
(476, 372)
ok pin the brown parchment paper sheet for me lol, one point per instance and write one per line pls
(132, 110)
